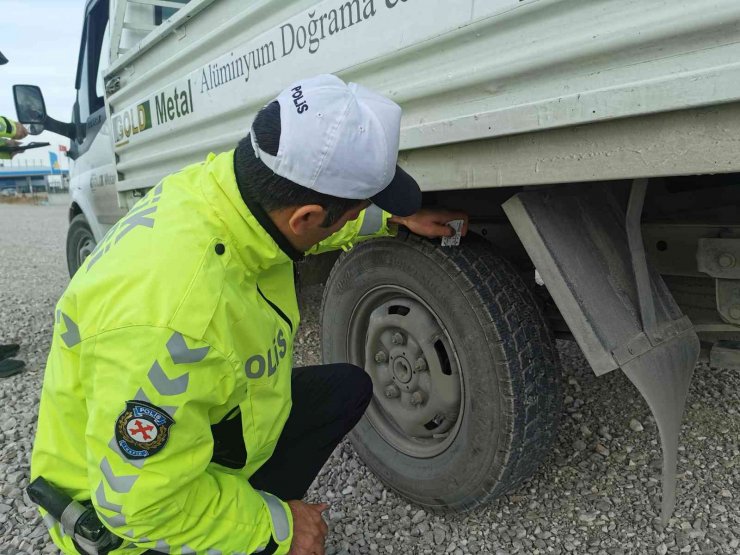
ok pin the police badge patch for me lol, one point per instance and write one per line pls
(142, 430)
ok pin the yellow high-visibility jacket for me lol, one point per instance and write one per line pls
(183, 316)
(7, 131)
(7, 128)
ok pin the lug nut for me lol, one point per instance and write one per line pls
(420, 365)
(381, 357)
(417, 398)
(391, 392)
(398, 339)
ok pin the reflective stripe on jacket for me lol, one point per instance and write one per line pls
(187, 304)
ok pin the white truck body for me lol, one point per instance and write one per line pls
(498, 72)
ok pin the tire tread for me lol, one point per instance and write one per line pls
(511, 316)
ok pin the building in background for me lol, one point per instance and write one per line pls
(33, 176)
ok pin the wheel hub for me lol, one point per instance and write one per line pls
(402, 370)
(418, 385)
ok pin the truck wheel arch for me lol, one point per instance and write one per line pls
(74, 210)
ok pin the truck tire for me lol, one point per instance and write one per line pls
(467, 388)
(80, 243)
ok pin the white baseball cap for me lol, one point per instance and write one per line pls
(342, 140)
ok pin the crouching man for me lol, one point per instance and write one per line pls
(170, 405)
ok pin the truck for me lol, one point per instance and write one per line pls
(593, 144)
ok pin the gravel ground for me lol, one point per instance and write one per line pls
(597, 493)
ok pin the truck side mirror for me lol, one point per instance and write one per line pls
(31, 110)
(29, 104)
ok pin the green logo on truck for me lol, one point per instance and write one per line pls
(168, 106)
(132, 121)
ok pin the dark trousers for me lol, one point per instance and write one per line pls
(328, 401)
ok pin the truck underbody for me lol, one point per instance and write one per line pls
(636, 271)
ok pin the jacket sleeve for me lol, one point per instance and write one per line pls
(373, 222)
(7, 127)
(4, 155)
(173, 500)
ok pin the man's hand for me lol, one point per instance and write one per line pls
(20, 131)
(309, 528)
(432, 222)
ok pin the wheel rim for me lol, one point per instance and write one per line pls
(85, 247)
(417, 406)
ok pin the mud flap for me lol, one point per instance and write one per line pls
(587, 245)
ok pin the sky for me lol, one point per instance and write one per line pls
(41, 39)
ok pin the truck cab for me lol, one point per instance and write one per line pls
(94, 205)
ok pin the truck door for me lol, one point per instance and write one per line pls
(94, 175)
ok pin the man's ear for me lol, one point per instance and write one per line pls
(306, 219)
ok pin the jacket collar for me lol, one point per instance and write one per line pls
(258, 240)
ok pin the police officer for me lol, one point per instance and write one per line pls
(10, 131)
(169, 400)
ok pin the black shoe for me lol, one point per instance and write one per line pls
(11, 367)
(7, 351)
